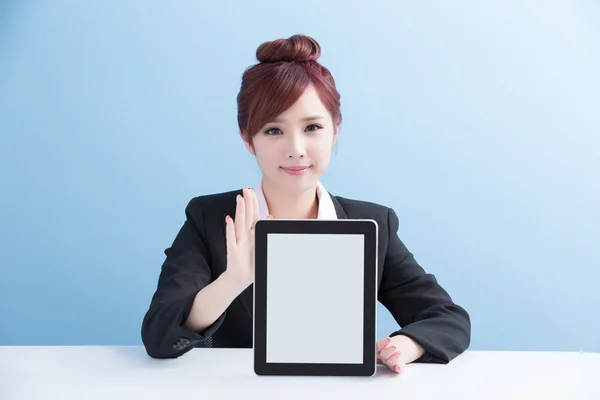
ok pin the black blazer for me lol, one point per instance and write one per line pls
(197, 256)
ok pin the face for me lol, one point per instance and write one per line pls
(294, 150)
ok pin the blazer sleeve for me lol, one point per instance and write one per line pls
(184, 273)
(422, 308)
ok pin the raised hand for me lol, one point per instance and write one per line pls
(240, 238)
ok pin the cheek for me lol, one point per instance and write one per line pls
(321, 151)
(267, 157)
(325, 158)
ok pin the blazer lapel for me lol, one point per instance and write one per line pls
(341, 214)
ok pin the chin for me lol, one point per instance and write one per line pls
(301, 185)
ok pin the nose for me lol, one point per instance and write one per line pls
(296, 147)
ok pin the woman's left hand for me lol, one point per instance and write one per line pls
(398, 351)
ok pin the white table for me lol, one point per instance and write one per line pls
(128, 373)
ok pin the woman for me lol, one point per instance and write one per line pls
(288, 114)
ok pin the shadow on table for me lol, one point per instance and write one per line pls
(384, 372)
(136, 356)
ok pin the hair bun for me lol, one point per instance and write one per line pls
(295, 48)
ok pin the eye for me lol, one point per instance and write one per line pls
(273, 131)
(313, 127)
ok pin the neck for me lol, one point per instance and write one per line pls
(302, 205)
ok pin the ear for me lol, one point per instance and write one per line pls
(248, 145)
(335, 135)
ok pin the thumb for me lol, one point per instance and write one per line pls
(269, 216)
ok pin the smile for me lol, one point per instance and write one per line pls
(296, 170)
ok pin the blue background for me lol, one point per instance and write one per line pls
(477, 123)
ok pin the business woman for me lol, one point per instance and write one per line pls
(288, 115)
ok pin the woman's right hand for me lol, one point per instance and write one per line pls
(240, 239)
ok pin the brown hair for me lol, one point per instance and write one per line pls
(286, 68)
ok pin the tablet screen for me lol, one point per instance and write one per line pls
(315, 286)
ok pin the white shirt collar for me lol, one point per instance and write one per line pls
(326, 207)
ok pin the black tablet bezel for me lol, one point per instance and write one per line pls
(366, 227)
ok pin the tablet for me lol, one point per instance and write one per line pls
(315, 297)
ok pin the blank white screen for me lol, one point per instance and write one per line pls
(315, 293)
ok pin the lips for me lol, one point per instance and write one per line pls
(296, 169)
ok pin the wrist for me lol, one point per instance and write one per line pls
(235, 281)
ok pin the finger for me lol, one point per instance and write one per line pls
(240, 217)
(392, 361)
(270, 216)
(388, 352)
(400, 366)
(249, 209)
(229, 234)
(382, 344)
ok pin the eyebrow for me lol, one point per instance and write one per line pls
(311, 118)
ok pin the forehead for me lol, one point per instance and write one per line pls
(308, 105)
